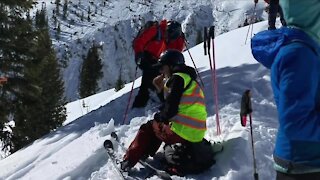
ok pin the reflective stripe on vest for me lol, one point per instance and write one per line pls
(190, 122)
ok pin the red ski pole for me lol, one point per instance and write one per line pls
(129, 100)
(216, 102)
(194, 64)
(213, 75)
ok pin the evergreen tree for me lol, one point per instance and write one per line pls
(58, 31)
(57, 7)
(82, 16)
(16, 38)
(199, 38)
(90, 73)
(120, 82)
(89, 9)
(33, 97)
(65, 9)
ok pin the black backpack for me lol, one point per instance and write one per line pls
(190, 158)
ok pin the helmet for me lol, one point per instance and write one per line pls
(171, 57)
(174, 30)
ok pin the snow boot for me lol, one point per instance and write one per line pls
(126, 165)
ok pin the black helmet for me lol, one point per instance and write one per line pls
(174, 30)
(171, 57)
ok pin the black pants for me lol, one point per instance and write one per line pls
(309, 176)
(148, 74)
(274, 9)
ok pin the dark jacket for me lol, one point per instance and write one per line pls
(176, 84)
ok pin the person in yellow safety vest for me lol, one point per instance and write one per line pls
(182, 119)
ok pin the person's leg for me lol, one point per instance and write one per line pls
(284, 176)
(273, 10)
(164, 134)
(143, 95)
(282, 20)
(149, 73)
(144, 140)
(148, 140)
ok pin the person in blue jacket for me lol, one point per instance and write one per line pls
(292, 54)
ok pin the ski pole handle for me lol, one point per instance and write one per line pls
(205, 36)
(211, 32)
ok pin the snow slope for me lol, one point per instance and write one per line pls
(113, 24)
(75, 151)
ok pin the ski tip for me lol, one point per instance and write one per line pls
(108, 144)
(115, 136)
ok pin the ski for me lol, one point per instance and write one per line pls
(160, 173)
(108, 145)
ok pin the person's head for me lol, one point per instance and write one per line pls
(174, 30)
(304, 15)
(170, 59)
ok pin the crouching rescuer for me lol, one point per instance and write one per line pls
(180, 123)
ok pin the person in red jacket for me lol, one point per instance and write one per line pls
(274, 9)
(148, 47)
(153, 40)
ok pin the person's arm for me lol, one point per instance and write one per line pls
(158, 82)
(298, 80)
(171, 105)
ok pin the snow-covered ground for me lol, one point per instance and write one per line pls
(114, 23)
(75, 151)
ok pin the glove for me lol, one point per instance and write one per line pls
(139, 59)
(255, 1)
(157, 117)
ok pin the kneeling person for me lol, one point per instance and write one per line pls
(183, 116)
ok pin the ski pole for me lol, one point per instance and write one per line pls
(208, 38)
(254, 18)
(211, 34)
(194, 64)
(255, 174)
(246, 108)
(205, 37)
(251, 24)
(129, 100)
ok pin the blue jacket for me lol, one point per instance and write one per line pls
(294, 60)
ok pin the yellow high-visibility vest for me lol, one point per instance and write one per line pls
(190, 121)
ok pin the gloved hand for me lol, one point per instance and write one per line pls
(255, 1)
(157, 117)
(139, 58)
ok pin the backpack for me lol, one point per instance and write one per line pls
(190, 158)
(150, 39)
